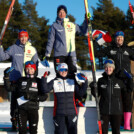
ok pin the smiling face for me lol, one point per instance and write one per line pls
(109, 70)
(63, 73)
(62, 14)
(119, 40)
(23, 40)
(30, 70)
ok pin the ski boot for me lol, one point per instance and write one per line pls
(14, 123)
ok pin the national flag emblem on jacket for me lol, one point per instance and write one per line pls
(101, 37)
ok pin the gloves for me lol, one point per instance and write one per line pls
(45, 61)
(92, 86)
(43, 97)
(80, 78)
(27, 96)
(7, 72)
(47, 73)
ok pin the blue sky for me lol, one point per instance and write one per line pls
(48, 8)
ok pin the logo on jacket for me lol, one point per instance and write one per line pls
(126, 53)
(18, 54)
(24, 83)
(28, 51)
(113, 52)
(117, 85)
(60, 30)
(34, 84)
(69, 28)
(103, 86)
(59, 83)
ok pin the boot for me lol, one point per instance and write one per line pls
(14, 123)
(127, 118)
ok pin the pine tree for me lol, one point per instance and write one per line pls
(15, 23)
(36, 26)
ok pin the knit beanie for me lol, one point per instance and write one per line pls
(61, 7)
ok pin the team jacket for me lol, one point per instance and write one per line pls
(62, 37)
(64, 90)
(109, 90)
(30, 88)
(19, 54)
(121, 55)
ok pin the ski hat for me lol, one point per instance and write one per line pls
(109, 63)
(101, 37)
(23, 32)
(62, 67)
(61, 7)
(30, 64)
(119, 33)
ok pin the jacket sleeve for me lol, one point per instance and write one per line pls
(104, 52)
(9, 86)
(131, 53)
(46, 87)
(82, 29)
(81, 90)
(92, 86)
(50, 43)
(4, 55)
(41, 95)
(35, 58)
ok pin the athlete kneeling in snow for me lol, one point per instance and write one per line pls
(109, 91)
(65, 88)
(29, 93)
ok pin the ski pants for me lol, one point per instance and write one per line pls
(61, 121)
(115, 121)
(13, 104)
(32, 117)
(127, 101)
(69, 60)
(126, 95)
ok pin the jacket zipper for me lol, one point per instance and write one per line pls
(65, 94)
(109, 96)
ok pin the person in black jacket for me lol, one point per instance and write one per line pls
(109, 90)
(121, 54)
(65, 88)
(29, 93)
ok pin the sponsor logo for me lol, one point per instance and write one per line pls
(24, 83)
(34, 84)
(117, 85)
(18, 54)
(126, 53)
(74, 119)
(103, 86)
(29, 51)
(33, 89)
(60, 30)
(113, 52)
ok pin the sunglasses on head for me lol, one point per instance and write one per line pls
(108, 61)
(29, 62)
(63, 70)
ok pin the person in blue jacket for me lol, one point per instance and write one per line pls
(65, 88)
(61, 38)
(19, 53)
